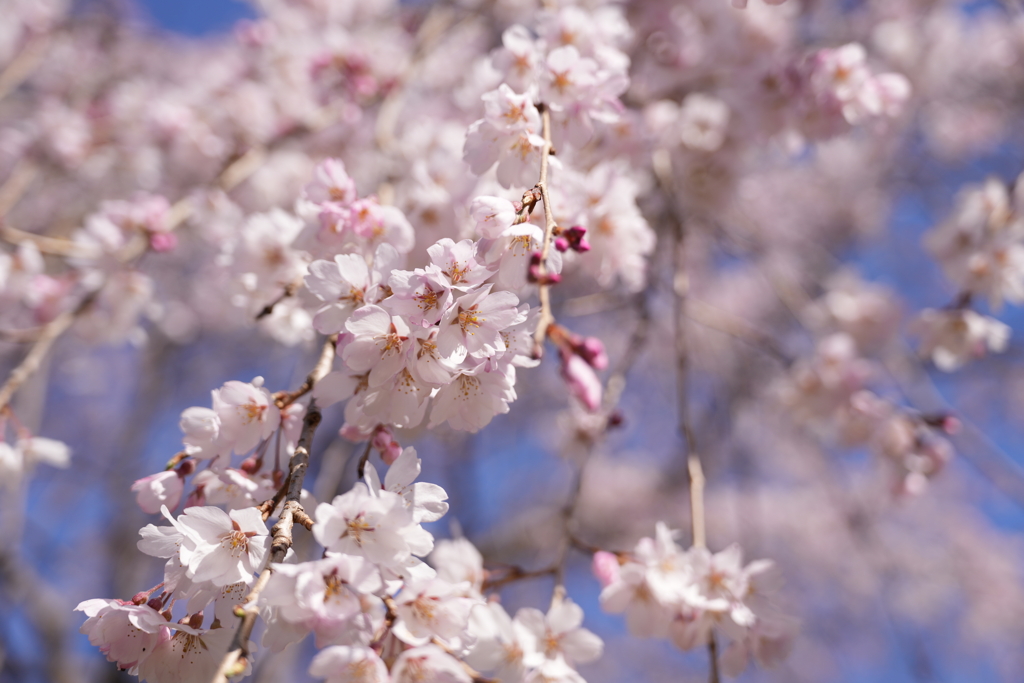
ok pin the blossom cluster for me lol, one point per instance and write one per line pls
(376, 609)
(684, 595)
(159, 191)
(834, 391)
(981, 250)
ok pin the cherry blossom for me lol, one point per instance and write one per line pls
(344, 664)
(126, 633)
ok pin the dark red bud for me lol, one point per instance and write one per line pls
(250, 465)
(574, 237)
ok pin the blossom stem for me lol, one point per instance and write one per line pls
(544, 288)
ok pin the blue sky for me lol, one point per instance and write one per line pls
(195, 17)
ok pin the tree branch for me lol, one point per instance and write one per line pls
(546, 318)
(234, 661)
(662, 164)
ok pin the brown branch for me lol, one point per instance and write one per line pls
(289, 291)
(514, 574)
(22, 66)
(14, 186)
(233, 174)
(235, 660)
(544, 287)
(50, 332)
(323, 366)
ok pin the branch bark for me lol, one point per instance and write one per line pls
(234, 661)
(546, 318)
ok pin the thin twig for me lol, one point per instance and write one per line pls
(15, 184)
(681, 288)
(288, 291)
(22, 66)
(514, 574)
(323, 366)
(637, 343)
(546, 318)
(233, 174)
(567, 514)
(712, 318)
(53, 329)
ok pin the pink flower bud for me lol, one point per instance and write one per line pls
(582, 381)
(534, 273)
(605, 567)
(575, 240)
(250, 465)
(163, 241)
(591, 349)
(384, 441)
(952, 424)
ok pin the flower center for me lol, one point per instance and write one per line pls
(356, 527)
(468, 319)
(237, 542)
(428, 299)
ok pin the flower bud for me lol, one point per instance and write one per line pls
(163, 242)
(384, 441)
(605, 567)
(591, 349)
(574, 238)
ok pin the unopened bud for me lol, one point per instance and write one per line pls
(385, 443)
(605, 567)
(250, 465)
(575, 240)
(952, 425)
(591, 349)
(163, 241)
(535, 274)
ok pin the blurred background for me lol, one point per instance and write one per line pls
(886, 587)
